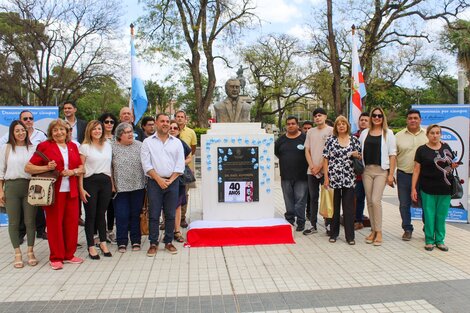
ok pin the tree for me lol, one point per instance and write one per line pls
(198, 25)
(278, 75)
(396, 25)
(456, 36)
(55, 46)
(101, 94)
(159, 97)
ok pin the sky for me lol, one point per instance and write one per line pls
(277, 16)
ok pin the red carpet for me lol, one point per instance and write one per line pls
(237, 233)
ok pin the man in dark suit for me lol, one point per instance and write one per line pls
(78, 125)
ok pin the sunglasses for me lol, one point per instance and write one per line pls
(28, 118)
(109, 122)
(174, 128)
(377, 115)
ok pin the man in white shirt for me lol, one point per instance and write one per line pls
(162, 158)
(36, 136)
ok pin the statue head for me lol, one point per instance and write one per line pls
(232, 88)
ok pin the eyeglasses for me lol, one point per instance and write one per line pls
(28, 118)
(109, 122)
(174, 128)
(377, 115)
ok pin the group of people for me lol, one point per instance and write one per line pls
(310, 157)
(109, 168)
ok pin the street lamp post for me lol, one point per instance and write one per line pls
(56, 90)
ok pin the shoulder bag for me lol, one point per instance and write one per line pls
(358, 167)
(41, 186)
(188, 176)
(457, 188)
(7, 153)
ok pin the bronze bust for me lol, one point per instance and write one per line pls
(233, 109)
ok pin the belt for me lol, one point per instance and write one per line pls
(404, 172)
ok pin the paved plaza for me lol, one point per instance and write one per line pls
(312, 275)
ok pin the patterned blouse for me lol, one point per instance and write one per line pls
(340, 167)
(127, 168)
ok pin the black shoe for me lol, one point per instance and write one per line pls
(21, 240)
(310, 231)
(42, 235)
(183, 223)
(94, 257)
(81, 222)
(107, 254)
(300, 228)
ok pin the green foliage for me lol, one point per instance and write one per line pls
(158, 96)
(100, 96)
(200, 131)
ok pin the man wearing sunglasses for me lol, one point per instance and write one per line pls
(78, 125)
(36, 136)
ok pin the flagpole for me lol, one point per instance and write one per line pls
(353, 30)
(130, 91)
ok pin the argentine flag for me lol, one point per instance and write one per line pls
(139, 100)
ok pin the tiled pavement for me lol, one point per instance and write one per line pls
(311, 276)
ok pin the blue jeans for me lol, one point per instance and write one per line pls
(159, 199)
(404, 196)
(127, 208)
(295, 195)
(360, 200)
(314, 191)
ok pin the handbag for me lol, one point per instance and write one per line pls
(326, 202)
(456, 184)
(7, 153)
(357, 166)
(188, 176)
(144, 217)
(41, 189)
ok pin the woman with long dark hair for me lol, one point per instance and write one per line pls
(13, 157)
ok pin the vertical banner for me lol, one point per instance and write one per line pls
(238, 174)
(454, 121)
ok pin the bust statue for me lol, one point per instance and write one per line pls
(232, 109)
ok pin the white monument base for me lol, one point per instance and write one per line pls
(234, 135)
(237, 169)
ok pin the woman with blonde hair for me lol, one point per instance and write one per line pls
(339, 174)
(13, 157)
(379, 152)
(62, 215)
(96, 185)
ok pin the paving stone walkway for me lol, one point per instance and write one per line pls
(312, 275)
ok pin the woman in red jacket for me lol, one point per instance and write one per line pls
(62, 215)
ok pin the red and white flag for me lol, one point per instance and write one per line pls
(358, 87)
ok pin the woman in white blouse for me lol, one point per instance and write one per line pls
(14, 182)
(96, 185)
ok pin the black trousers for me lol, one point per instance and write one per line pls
(344, 197)
(99, 188)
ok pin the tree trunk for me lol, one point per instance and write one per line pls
(335, 65)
